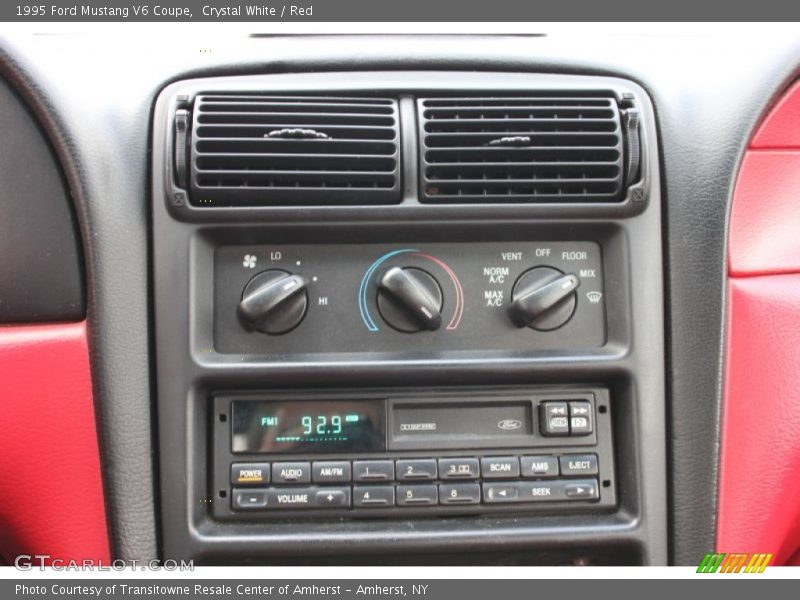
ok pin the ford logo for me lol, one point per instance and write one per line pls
(509, 424)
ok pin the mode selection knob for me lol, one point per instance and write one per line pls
(410, 299)
(274, 302)
(543, 298)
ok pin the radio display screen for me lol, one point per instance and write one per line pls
(302, 427)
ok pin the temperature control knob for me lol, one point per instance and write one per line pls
(410, 299)
(543, 298)
(274, 302)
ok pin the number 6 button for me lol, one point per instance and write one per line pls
(459, 493)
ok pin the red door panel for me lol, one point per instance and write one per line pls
(51, 495)
(765, 217)
(759, 494)
(759, 508)
(781, 128)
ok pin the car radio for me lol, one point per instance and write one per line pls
(388, 453)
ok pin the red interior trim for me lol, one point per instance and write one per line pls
(759, 508)
(51, 494)
(781, 128)
(765, 216)
(759, 493)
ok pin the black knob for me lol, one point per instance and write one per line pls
(274, 302)
(543, 298)
(410, 299)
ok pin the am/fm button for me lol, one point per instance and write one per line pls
(331, 472)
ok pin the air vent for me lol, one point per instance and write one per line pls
(263, 150)
(538, 149)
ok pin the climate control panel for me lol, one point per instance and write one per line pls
(322, 298)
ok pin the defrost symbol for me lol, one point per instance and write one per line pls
(594, 297)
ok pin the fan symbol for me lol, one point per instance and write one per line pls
(249, 261)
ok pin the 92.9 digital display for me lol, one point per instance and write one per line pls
(299, 426)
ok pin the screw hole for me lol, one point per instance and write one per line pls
(606, 483)
(223, 494)
(223, 418)
(603, 410)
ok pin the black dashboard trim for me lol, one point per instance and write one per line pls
(41, 272)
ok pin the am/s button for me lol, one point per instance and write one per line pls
(539, 466)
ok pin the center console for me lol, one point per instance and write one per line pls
(409, 316)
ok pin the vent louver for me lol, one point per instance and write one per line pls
(539, 149)
(265, 150)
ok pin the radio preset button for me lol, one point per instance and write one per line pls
(498, 467)
(580, 418)
(578, 464)
(373, 470)
(373, 496)
(249, 499)
(459, 493)
(416, 469)
(291, 472)
(458, 468)
(249, 473)
(417, 495)
(539, 466)
(554, 419)
(331, 472)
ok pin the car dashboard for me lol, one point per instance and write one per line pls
(393, 299)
